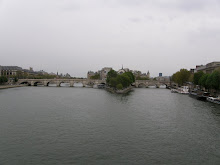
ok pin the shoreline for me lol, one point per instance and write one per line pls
(10, 86)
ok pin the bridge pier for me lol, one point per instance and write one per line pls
(58, 84)
(45, 83)
(32, 83)
(71, 84)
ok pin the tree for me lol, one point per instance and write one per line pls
(113, 82)
(197, 77)
(215, 83)
(126, 79)
(119, 86)
(130, 75)
(3, 79)
(111, 74)
(202, 80)
(181, 76)
(209, 81)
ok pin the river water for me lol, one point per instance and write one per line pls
(63, 125)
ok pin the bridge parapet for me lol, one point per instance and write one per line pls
(46, 82)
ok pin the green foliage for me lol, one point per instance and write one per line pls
(197, 77)
(181, 76)
(95, 77)
(119, 86)
(3, 79)
(215, 80)
(202, 80)
(210, 81)
(124, 80)
(113, 82)
(111, 74)
(130, 75)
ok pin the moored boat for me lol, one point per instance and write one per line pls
(174, 90)
(183, 90)
(214, 100)
(199, 95)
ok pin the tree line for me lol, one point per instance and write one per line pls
(206, 80)
(119, 81)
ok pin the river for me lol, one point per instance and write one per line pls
(63, 125)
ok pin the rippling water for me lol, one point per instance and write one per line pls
(51, 125)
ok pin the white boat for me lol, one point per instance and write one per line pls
(214, 100)
(183, 90)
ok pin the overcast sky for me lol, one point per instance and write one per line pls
(75, 36)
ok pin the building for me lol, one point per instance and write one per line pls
(163, 79)
(148, 74)
(10, 70)
(138, 74)
(104, 72)
(208, 68)
(90, 74)
(160, 74)
(200, 68)
(67, 75)
(192, 70)
(121, 71)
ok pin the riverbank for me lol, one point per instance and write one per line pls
(123, 91)
(10, 86)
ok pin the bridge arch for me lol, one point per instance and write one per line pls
(38, 82)
(79, 84)
(25, 82)
(142, 85)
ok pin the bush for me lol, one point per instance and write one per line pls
(3, 79)
(119, 86)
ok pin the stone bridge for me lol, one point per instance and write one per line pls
(147, 83)
(46, 82)
(88, 82)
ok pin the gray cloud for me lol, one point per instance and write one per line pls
(81, 35)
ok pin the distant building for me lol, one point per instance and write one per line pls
(90, 74)
(192, 70)
(52, 74)
(42, 72)
(148, 74)
(163, 78)
(104, 72)
(160, 74)
(208, 68)
(200, 68)
(138, 74)
(10, 70)
(67, 75)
